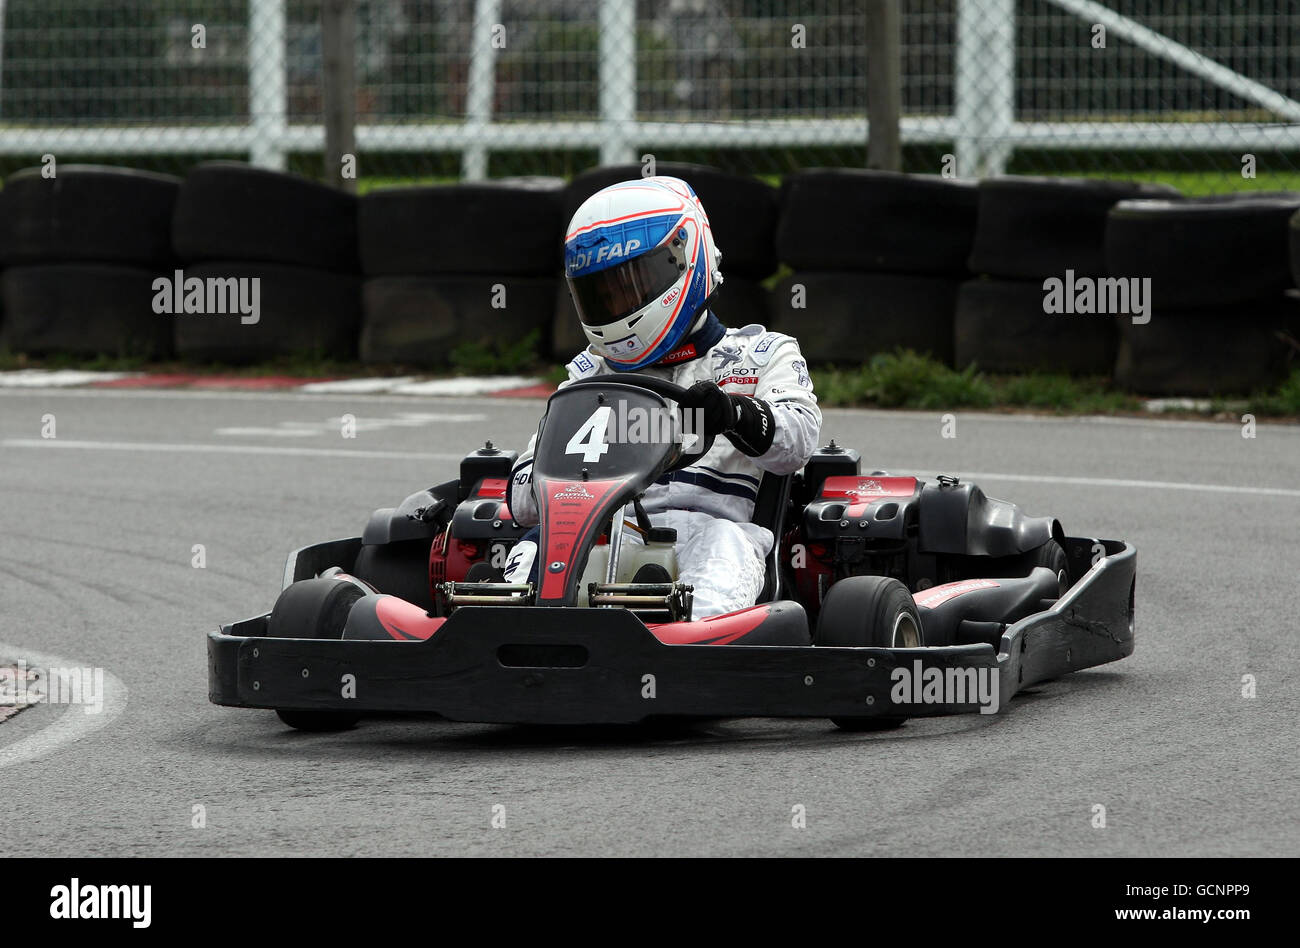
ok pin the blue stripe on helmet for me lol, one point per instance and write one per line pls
(625, 240)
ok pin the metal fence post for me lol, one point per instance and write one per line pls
(617, 80)
(480, 88)
(339, 88)
(267, 83)
(884, 85)
(985, 85)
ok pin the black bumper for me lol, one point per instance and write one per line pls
(596, 666)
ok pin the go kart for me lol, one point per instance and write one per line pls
(886, 598)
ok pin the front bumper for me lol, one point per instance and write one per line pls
(547, 665)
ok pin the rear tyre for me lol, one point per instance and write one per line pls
(314, 609)
(400, 569)
(869, 612)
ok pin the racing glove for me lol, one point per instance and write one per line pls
(746, 422)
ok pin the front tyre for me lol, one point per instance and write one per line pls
(869, 612)
(314, 609)
(1050, 556)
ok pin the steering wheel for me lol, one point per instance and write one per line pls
(662, 388)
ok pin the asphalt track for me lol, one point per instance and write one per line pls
(98, 528)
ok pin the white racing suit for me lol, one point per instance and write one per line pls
(710, 503)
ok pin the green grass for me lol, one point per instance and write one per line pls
(901, 379)
(1284, 400)
(483, 357)
(904, 379)
(1196, 183)
(1191, 183)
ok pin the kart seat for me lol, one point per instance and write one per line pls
(769, 511)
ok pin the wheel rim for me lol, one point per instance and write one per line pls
(907, 634)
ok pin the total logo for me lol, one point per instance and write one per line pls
(574, 492)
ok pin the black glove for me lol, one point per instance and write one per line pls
(747, 422)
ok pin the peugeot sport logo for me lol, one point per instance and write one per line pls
(574, 492)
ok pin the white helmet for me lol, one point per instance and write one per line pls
(641, 264)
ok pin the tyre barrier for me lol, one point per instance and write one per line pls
(873, 261)
(1001, 326)
(421, 320)
(844, 219)
(843, 318)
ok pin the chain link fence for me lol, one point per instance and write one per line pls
(1199, 92)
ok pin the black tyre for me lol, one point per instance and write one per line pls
(1220, 350)
(1051, 555)
(845, 318)
(1000, 326)
(87, 213)
(869, 612)
(567, 338)
(301, 312)
(314, 609)
(741, 209)
(740, 302)
(231, 211)
(846, 219)
(399, 569)
(430, 230)
(1295, 247)
(1030, 228)
(83, 308)
(420, 320)
(1204, 251)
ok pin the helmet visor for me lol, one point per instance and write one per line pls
(612, 294)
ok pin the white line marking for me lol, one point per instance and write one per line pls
(465, 386)
(332, 426)
(417, 456)
(56, 378)
(178, 448)
(414, 385)
(1127, 483)
(73, 724)
(362, 386)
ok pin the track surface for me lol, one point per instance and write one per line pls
(97, 529)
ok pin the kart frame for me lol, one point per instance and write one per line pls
(604, 666)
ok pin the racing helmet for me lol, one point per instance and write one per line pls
(641, 265)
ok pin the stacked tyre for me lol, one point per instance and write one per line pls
(290, 247)
(1221, 321)
(877, 259)
(82, 246)
(458, 264)
(1031, 231)
(742, 213)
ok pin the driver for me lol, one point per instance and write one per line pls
(642, 266)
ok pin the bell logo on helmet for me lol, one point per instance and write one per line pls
(672, 295)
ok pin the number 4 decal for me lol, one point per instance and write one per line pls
(589, 439)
